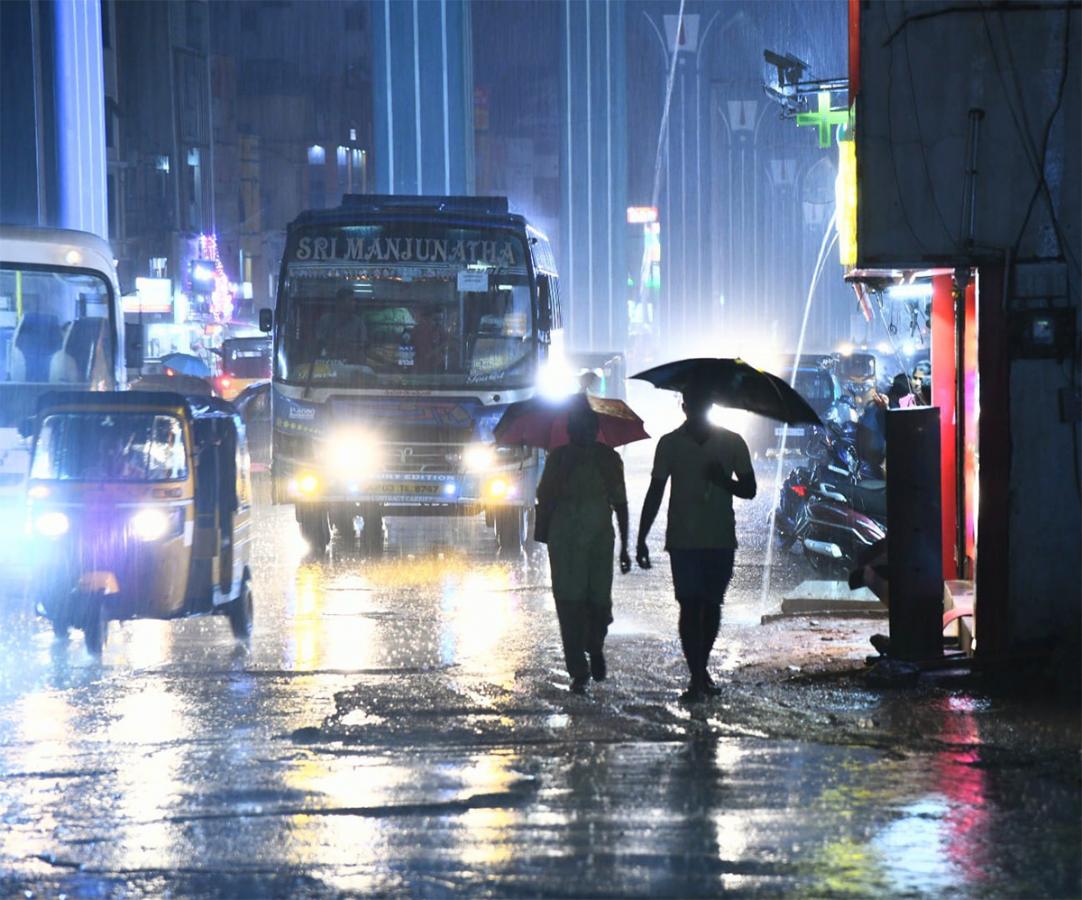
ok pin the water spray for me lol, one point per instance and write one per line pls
(830, 237)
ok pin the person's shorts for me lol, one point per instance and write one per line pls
(701, 575)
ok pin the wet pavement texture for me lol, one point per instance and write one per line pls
(403, 725)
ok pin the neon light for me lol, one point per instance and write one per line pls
(824, 118)
(221, 296)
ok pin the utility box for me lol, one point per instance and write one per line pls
(914, 531)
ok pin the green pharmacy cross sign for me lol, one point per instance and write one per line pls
(824, 118)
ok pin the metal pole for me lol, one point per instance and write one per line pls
(969, 195)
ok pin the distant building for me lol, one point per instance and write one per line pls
(292, 101)
(164, 114)
(52, 124)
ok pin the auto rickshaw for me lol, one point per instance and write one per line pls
(139, 507)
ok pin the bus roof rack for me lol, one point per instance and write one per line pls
(489, 205)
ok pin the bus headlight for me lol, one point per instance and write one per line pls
(737, 420)
(352, 454)
(501, 489)
(479, 457)
(150, 525)
(52, 524)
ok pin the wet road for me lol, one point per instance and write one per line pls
(403, 726)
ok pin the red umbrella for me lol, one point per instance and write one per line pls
(539, 422)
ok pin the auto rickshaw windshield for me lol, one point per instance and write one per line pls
(110, 446)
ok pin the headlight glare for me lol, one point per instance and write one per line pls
(479, 457)
(52, 524)
(307, 485)
(150, 524)
(352, 454)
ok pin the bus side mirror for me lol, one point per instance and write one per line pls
(266, 320)
(544, 303)
(133, 346)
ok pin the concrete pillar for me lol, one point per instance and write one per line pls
(52, 115)
(422, 77)
(593, 172)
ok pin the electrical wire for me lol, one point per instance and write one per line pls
(920, 143)
(969, 8)
(890, 142)
(1030, 150)
(1042, 181)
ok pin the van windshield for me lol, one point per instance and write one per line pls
(96, 446)
(247, 358)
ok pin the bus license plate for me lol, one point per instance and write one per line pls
(793, 432)
(405, 488)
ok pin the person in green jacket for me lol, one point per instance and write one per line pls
(581, 486)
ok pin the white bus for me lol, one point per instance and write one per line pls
(61, 328)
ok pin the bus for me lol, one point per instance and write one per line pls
(61, 328)
(403, 328)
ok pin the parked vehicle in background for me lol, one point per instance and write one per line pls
(61, 327)
(404, 327)
(832, 506)
(857, 372)
(816, 383)
(242, 362)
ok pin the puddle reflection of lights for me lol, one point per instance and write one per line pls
(323, 638)
(336, 783)
(730, 828)
(913, 850)
(478, 613)
(487, 832)
(149, 785)
(43, 723)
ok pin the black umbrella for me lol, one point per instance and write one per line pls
(732, 382)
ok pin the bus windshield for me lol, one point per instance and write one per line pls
(55, 329)
(417, 305)
(110, 447)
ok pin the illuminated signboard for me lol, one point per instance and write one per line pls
(152, 295)
(845, 198)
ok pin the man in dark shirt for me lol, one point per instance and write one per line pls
(708, 467)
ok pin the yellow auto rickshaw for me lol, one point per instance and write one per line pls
(139, 507)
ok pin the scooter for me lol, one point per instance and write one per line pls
(830, 510)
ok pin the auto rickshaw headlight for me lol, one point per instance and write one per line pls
(52, 524)
(150, 524)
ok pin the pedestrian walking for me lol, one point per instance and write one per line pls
(708, 466)
(582, 485)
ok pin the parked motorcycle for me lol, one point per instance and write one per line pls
(829, 507)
